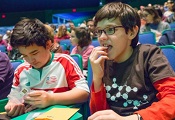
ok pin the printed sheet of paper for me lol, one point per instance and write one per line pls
(57, 114)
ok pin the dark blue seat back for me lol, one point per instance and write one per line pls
(169, 52)
(147, 38)
(16, 63)
(3, 48)
(66, 41)
(95, 43)
(90, 74)
(63, 46)
(78, 59)
(172, 25)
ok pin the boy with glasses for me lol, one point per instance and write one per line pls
(130, 81)
(45, 78)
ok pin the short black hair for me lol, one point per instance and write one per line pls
(29, 31)
(127, 15)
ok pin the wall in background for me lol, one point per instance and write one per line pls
(11, 11)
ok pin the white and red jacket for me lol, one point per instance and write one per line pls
(61, 74)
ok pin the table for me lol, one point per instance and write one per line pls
(28, 116)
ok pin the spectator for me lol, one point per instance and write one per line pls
(54, 28)
(81, 39)
(7, 35)
(130, 81)
(169, 12)
(45, 78)
(168, 38)
(90, 25)
(154, 22)
(56, 48)
(62, 33)
(6, 75)
(171, 19)
(71, 25)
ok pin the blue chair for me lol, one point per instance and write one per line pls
(68, 44)
(169, 52)
(147, 38)
(172, 25)
(3, 48)
(16, 63)
(71, 47)
(66, 41)
(95, 43)
(90, 74)
(78, 59)
(63, 46)
(84, 107)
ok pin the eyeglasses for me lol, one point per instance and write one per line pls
(107, 31)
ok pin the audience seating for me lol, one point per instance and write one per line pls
(90, 75)
(3, 49)
(147, 38)
(66, 41)
(79, 60)
(63, 46)
(71, 47)
(169, 52)
(95, 43)
(16, 63)
(68, 44)
(84, 107)
(172, 25)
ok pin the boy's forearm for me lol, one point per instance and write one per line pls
(70, 97)
(97, 84)
(132, 117)
(95, 105)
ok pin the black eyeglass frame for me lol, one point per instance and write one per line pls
(99, 32)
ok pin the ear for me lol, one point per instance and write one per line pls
(48, 44)
(132, 33)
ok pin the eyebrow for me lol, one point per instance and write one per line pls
(110, 25)
(31, 52)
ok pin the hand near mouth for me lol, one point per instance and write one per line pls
(97, 58)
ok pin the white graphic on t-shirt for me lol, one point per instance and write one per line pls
(125, 95)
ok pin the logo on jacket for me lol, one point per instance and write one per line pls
(51, 79)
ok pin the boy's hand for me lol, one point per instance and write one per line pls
(97, 58)
(111, 115)
(105, 115)
(37, 99)
(29, 108)
(14, 109)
